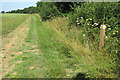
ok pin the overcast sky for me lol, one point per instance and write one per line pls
(7, 6)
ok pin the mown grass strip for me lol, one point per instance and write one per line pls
(30, 63)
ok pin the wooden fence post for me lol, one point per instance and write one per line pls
(102, 35)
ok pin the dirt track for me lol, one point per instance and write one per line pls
(11, 43)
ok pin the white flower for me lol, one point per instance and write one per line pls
(81, 17)
(103, 27)
(113, 33)
(78, 23)
(88, 24)
(116, 31)
(83, 34)
(109, 28)
(106, 37)
(90, 19)
(96, 24)
(92, 25)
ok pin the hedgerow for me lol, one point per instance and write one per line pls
(91, 15)
(88, 16)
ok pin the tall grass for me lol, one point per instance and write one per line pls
(61, 46)
(11, 21)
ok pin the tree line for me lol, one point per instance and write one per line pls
(46, 7)
(28, 10)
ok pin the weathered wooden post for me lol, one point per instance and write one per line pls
(102, 35)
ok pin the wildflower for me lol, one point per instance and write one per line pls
(113, 33)
(90, 19)
(92, 25)
(103, 26)
(81, 17)
(83, 34)
(109, 28)
(78, 23)
(106, 37)
(88, 24)
(116, 31)
(87, 19)
(96, 24)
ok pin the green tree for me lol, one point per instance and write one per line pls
(47, 10)
(2, 11)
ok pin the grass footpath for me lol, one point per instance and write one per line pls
(11, 44)
(48, 53)
(27, 63)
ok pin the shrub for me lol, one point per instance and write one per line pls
(91, 15)
(47, 10)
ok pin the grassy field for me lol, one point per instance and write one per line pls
(51, 50)
(11, 21)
